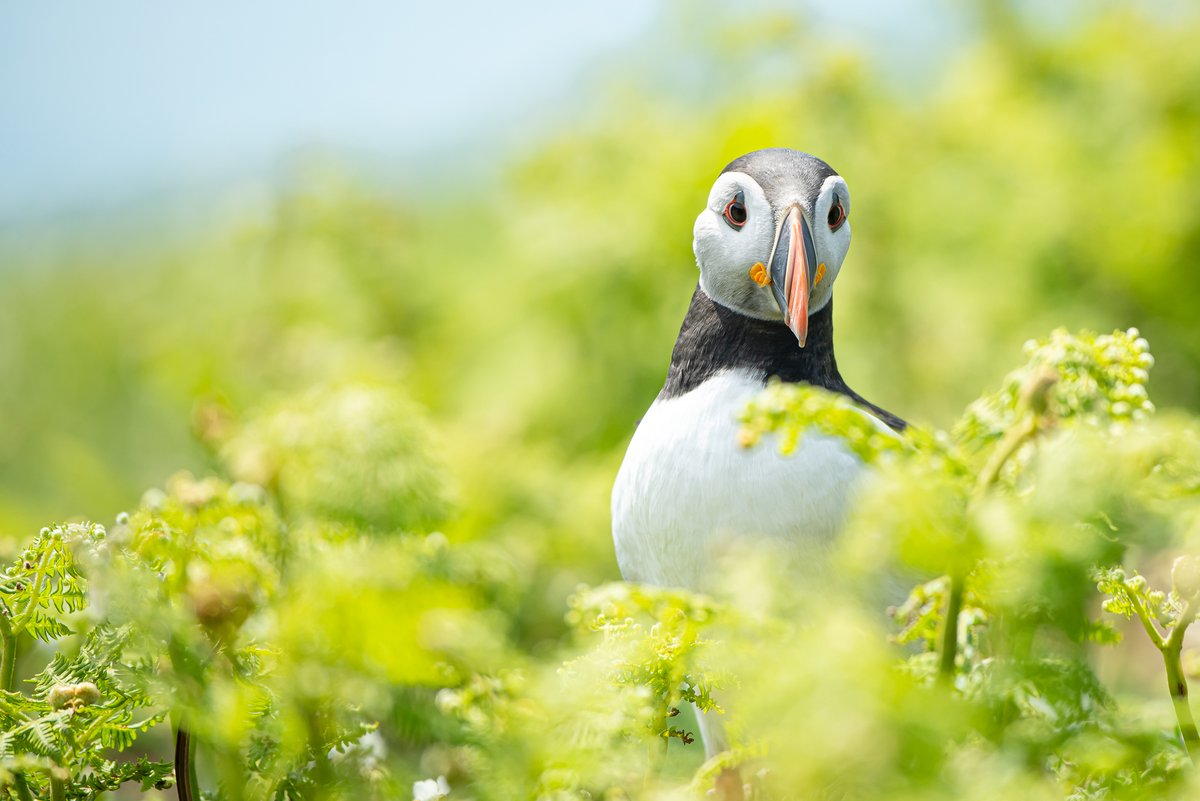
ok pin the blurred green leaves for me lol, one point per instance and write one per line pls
(354, 452)
(308, 649)
(1048, 177)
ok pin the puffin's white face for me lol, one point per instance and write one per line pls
(772, 259)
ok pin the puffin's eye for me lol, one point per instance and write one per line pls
(837, 214)
(735, 211)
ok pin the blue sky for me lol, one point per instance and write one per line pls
(104, 103)
(103, 100)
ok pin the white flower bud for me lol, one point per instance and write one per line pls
(1185, 576)
(431, 789)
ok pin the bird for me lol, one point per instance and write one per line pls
(769, 245)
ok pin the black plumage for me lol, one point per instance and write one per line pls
(714, 338)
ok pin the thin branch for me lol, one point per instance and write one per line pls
(8, 651)
(186, 785)
(37, 583)
(58, 789)
(1143, 615)
(23, 791)
(1013, 440)
(949, 650)
(1177, 681)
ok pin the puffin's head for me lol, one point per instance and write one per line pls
(772, 239)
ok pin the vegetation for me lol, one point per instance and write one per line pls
(386, 570)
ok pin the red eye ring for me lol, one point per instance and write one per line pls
(837, 214)
(735, 211)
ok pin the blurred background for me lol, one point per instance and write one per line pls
(487, 209)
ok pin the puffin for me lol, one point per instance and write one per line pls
(769, 244)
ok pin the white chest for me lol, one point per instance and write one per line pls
(686, 487)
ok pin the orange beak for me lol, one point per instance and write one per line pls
(793, 261)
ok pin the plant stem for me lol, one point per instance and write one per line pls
(950, 628)
(8, 652)
(186, 785)
(322, 776)
(1171, 648)
(1177, 682)
(23, 791)
(1143, 615)
(39, 580)
(58, 790)
(1013, 440)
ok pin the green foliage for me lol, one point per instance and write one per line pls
(1035, 499)
(793, 410)
(1130, 596)
(299, 616)
(1087, 379)
(83, 706)
(276, 645)
(650, 638)
(309, 650)
(354, 452)
(43, 585)
(283, 633)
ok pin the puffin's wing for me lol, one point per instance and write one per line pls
(890, 420)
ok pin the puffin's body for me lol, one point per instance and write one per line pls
(686, 486)
(769, 245)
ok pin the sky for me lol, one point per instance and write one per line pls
(115, 97)
(105, 103)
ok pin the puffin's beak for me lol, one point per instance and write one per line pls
(793, 262)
